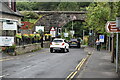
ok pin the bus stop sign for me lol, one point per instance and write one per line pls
(101, 38)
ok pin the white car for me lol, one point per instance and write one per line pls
(59, 45)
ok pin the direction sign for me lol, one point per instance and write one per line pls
(111, 27)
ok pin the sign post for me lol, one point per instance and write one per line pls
(113, 27)
(53, 32)
(117, 52)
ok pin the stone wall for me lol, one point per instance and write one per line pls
(30, 48)
(27, 48)
(12, 17)
(46, 44)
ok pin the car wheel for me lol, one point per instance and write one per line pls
(63, 50)
(51, 50)
(67, 50)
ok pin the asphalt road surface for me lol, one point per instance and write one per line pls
(42, 64)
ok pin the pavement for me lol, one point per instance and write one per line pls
(98, 65)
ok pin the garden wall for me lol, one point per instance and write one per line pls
(30, 48)
(27, 48)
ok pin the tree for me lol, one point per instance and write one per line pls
(99, 13)
(30, 16)
(68, 6)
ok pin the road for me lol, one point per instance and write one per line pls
(42, 64)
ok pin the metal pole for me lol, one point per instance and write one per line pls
(117, 52)
(72, 25)
(112, 57)
(83, 36)
(72, 28)
(109, 43)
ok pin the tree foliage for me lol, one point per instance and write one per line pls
(68, 6)
(30, 16)
(51, 6)
(98, 14)
(78, 27)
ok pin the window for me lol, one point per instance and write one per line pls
(8, 33)
(57, 41)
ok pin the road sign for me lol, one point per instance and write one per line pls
(118, 22)
(111, 27)
(6, 41)
(10, 25)
(72, 32)
(37, 28)
(101, 38)
(53, 32)
(65, 34)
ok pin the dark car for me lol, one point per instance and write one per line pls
(75, 43)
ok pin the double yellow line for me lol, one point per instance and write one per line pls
(78, 67)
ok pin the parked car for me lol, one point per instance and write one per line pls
(59, 45)
(75, 43)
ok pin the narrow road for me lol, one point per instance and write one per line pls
(42, 64)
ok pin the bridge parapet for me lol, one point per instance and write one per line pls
(58, 18)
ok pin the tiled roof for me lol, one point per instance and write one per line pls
(6, 10)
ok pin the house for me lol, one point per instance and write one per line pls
(10, 20)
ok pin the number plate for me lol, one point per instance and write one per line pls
(56, 44)
(73, 42)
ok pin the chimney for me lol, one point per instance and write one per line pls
(13, 5)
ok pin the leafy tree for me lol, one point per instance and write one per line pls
(23, 6)
(98, 14)
(68, 6)
(78, 27)
(45, 6)
(30, 16)
(51, 6)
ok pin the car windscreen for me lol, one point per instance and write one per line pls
(58, 41)
(73, 40)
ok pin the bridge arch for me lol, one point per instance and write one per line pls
(59, 18)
